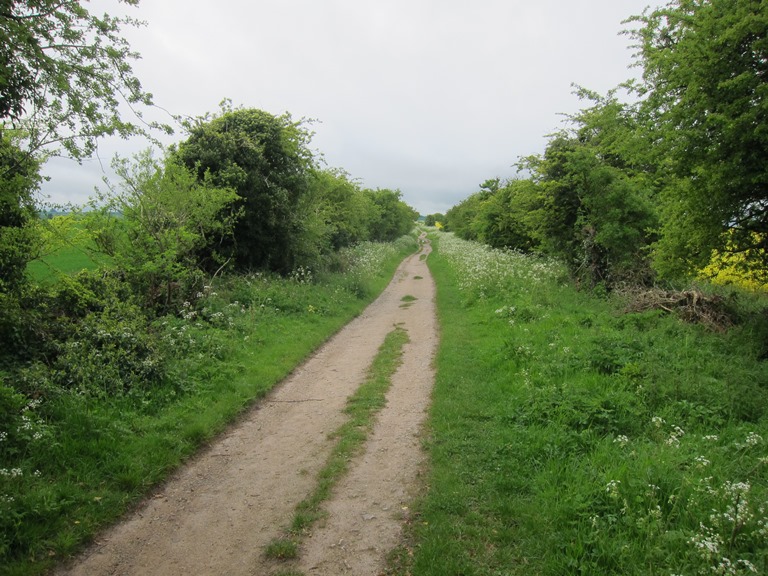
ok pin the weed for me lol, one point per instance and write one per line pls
(407, 301)
(282, 549)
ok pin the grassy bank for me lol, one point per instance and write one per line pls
(74, 459)
(570, 437)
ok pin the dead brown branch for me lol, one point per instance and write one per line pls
(690, 305)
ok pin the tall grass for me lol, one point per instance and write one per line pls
(72, 459)
(568, 437)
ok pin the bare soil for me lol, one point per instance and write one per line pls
(218, 513)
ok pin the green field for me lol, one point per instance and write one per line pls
(67, 249)
(67, 260)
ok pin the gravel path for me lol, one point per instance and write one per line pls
(217, 514)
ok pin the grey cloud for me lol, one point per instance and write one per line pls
(431, 97)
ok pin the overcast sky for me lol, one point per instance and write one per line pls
(431, 97)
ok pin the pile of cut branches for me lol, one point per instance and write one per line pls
(690, 305)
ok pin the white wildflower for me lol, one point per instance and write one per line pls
(701, 461)
(753, 439)
(612, 488)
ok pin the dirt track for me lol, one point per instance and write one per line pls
(218, 513)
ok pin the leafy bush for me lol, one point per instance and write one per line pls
(110, 353)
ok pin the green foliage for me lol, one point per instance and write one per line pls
(293, 213)
(661, 184)
(65, 73)
(266, 161)
(87, 335)
(433, 219)
(588, 200)
(346, 211)
(162, 226)
(12, 421)
(19, 178)
(461, 217)
(600, 217)
(110, 353)
(596, 208)
(507, 218)
(336, 214)
(705, 74)
(395, 218)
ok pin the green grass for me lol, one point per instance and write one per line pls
(350, 438)
(407, 301)
(568, 437)
(68, 250)
(83, 459)
(283, 549)
(65, 260)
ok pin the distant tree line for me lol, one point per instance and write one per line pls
(658, 186)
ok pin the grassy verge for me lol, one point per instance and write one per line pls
(569, 437)
(72, 461)
(361, 408)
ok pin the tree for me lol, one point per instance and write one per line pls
(19, 178)
(266, 160)
(461, 217)
(165, 216)
(705, 90)
(434, 219)
(395, 217)
(346, 211)
(595, 217)
(507, 218)
(64, 75)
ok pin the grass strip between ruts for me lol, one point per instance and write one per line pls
(361, 408)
